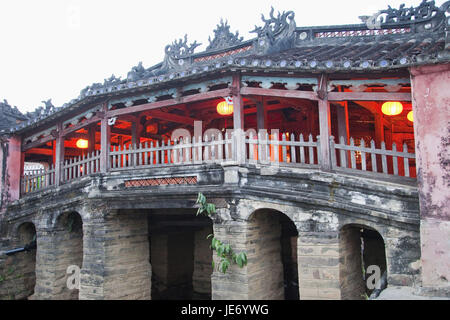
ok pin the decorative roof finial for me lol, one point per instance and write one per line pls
(278, 33)
(223, 38)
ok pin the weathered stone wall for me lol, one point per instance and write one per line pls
(318, 265)
(116, 255)
(350, 264)
(234, 284)
(265, 268)
(59, 247)
(116, 245)
(201, 278)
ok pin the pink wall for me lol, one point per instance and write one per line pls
(431, 107)
(11, 176)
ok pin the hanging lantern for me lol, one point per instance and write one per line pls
(392, 108)
(82, 143)
(225, 108)
(410, 116)
(152, 128)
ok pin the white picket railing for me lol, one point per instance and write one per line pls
(37, 179)
(371, 159)
(80, 166)
(287, 151)
(177, 152)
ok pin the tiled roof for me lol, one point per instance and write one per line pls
(390, 39)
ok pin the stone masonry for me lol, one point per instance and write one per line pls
(116, 256)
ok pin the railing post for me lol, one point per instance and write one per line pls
(59, 154)
(105, 141)
(238, 120)
(324, 125)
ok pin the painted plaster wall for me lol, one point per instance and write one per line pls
(11, 170)
(431, 106)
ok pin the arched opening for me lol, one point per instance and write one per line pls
(362, 267)
(25, 266)
(272, 255)
(69, 255)
(18, 266)
(180, 254)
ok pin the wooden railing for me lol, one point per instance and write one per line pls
(177, 152)
(38, 179)
(81, 166)
(370, 159)
(290, 150)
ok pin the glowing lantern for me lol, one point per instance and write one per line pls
(410, 116)
(224, 108)
(152, 128)
(82, 143)
(392, 108)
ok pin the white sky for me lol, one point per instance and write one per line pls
(55, 48)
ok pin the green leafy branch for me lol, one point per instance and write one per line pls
(226, 255)
(224, 251)
(208, 208)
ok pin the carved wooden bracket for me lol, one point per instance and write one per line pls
(54, 133)
(234, 91)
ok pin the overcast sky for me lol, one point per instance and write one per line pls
(55, 48)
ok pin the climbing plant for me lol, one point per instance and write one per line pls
(224, 251)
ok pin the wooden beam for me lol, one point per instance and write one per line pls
(170, 102)
(81, 125)
(247, 91)
(37, 143)
(171, 117)
(369, 96)
(49, 152)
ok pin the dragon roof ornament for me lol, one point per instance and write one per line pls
(278, 33)
(223, 38)
(427, 16)
(177, 52)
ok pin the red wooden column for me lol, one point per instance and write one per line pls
(343, 126)
(59, 154)
(136, 128)
(261, 115)
(91, 139)
(238, 119)
(105, 141)
(324, 125)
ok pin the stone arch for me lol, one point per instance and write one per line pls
(18, 270)
(272, 253)
(61, 250)
(362, 261)
(247, 207)
(71, 241)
